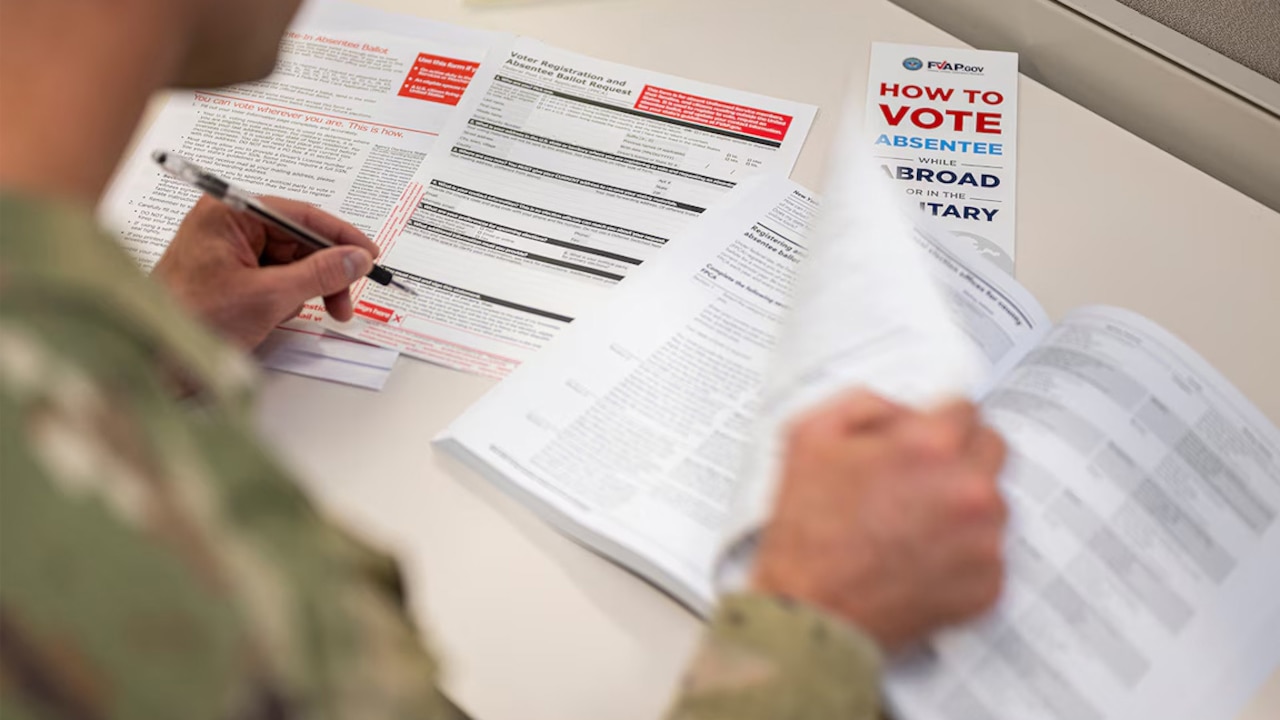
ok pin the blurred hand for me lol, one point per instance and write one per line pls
(888, 517)
(242, 277)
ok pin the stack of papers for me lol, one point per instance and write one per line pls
(346, 120)
(511, 184)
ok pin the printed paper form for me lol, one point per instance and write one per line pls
(1144, 546)
(558, 177)
(632, 426)
(355, 104)
(630, 423)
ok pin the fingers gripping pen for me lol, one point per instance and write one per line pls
(238, 199)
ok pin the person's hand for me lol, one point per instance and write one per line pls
(243, 277)
(888, 518)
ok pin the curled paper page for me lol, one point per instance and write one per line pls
(867, 312)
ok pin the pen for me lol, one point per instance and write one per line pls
(238, 199)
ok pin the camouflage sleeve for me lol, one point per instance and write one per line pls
(764, 658)
(157, 562)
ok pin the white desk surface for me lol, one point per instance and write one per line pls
(534, 627)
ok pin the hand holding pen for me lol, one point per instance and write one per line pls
(238, 199)
(244, 271)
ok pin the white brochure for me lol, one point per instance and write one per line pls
(943, 124)
(559, 175)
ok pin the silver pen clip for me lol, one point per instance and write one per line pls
(193, 174)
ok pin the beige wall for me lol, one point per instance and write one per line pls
(1099, 54)
(1247, 31)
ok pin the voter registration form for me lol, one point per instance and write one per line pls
(557, 176)
(354, 107)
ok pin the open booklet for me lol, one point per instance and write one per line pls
(1144, 488)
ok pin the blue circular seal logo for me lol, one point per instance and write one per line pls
(912, 63)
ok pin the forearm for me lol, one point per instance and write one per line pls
(765, 659)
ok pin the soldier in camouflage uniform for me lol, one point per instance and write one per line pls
(157, 562)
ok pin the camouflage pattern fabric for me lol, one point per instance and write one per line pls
(764, 658)
(156, 562)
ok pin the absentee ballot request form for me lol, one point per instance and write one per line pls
(355, 104)
(559, 174)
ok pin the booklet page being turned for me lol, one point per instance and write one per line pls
(871, 310)
(1143, 548)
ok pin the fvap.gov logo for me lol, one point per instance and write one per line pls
(945, 66)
